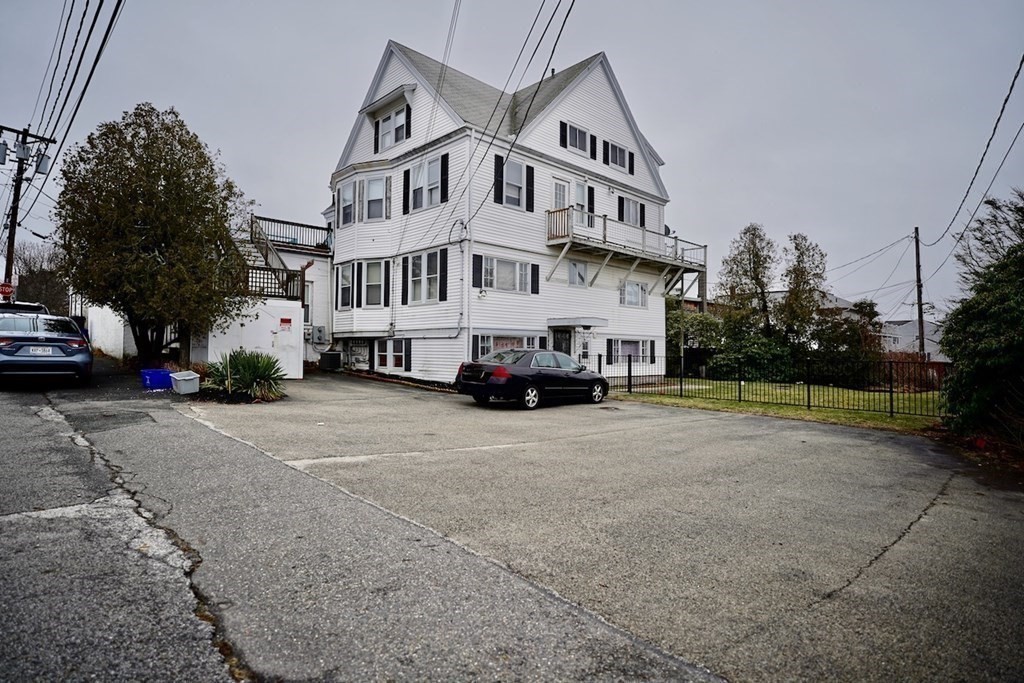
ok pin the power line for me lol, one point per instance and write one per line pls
(980, 202)
(81, 96)
(71, 58)
(53, 49)
(892, 272)
(850, 263)
(982, 159)
(53, 76)
(78, 68)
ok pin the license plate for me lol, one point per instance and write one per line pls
(40, 350)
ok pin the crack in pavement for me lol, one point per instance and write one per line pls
(885, 549)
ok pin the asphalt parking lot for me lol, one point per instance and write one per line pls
(762, 549)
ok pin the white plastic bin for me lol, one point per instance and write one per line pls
(185, 382)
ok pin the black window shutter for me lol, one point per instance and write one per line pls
(337, 288)
(476, 347)
(387, 283)
(542, 342)
(563, 134)
(405, 192)
(652, 351)
(373, 353)
(534, 278)
(408, 355)
(630, 163)
(359, 284)
(376, 136)
(622, 208)
(478, 270)
(405, 280)
(590, 200)
(605, 152)
(444, 178)
(593, 147)
(408, 121)
(442, 275)
(529, 189)
(643, 218)
(608, 352)
(499, 178)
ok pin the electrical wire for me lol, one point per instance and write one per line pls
(78, 68)
(850, 263)
(71, 58)
(877, 255)
(53, 76)
(53, 48)
(980, 202)
(892, 272)
(983, 153)
(118, 8)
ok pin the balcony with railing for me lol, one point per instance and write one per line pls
(292, 236)
(597, 233)
(276, 283)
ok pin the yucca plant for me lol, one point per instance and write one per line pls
(247, 372)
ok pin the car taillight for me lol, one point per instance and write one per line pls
(76, 343)
(500, 372)
(459, 373)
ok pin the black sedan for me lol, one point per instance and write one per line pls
(529, 376)
(35, 344)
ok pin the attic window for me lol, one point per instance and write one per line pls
(577, 139)
(392, 128)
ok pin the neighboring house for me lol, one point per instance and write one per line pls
(288, 268)
(468, 220)
(901, 335)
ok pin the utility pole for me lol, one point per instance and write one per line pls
(920, 303)
(22, 155)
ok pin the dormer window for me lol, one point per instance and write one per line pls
(577, 139)
(392, 128)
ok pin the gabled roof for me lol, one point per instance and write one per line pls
(473, 101)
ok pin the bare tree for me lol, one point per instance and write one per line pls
(38, 279)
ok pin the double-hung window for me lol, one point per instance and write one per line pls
(374, 198)
(617, 155)
(343, 299)
(307, 303)
(577, 274)
(392, 128)
(348, 203)
(434, 182)
(373, 286)
(514, 183)
(506, 276)
(425, 185)
(633, 294)
(577, 139)
(560, 197)
(628, 347)
(423, 277)
(580, 215)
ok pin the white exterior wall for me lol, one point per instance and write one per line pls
(319, 276)
(268, 331)
(109, 333)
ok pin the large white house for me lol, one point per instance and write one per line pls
(467, 219)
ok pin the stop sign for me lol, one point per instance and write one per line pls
(6, 289)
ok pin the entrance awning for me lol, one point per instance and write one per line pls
(577, 322)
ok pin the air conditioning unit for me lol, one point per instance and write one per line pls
(330, 360)
(320, 335)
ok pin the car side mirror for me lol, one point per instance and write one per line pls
(582, 368)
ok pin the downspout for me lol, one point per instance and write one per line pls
(467, 261)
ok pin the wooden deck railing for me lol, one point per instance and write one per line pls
(571, 223)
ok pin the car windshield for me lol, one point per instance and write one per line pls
(506, 357)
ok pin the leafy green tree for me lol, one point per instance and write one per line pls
(982, 334)
(144, 220)
(805, 289)
(745, 279)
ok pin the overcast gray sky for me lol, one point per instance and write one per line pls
(851, 122)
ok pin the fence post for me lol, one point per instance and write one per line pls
(682, 366)
(807, 383)
(629, 374)
(599, 358)
(739, 381)
(891, 411)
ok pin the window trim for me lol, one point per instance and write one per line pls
(367, 284)
(643, 295)
(568, 185)
(522, 186)
(340, 275)
(389, 353)
(619, 357)
(383, 199)
(307, 303)
(425, 278)
(490, 275)
(625, 156)
(351, 185)
(628, 202)
(575, 266)
(386, 125)
(419, 179)
(569, 128)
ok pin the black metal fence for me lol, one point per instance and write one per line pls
(893, 387)
(278, 283)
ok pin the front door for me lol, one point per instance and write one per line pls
(561, 340)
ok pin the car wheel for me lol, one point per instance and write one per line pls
(482, 400)
(596, 392)
(530, 398)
